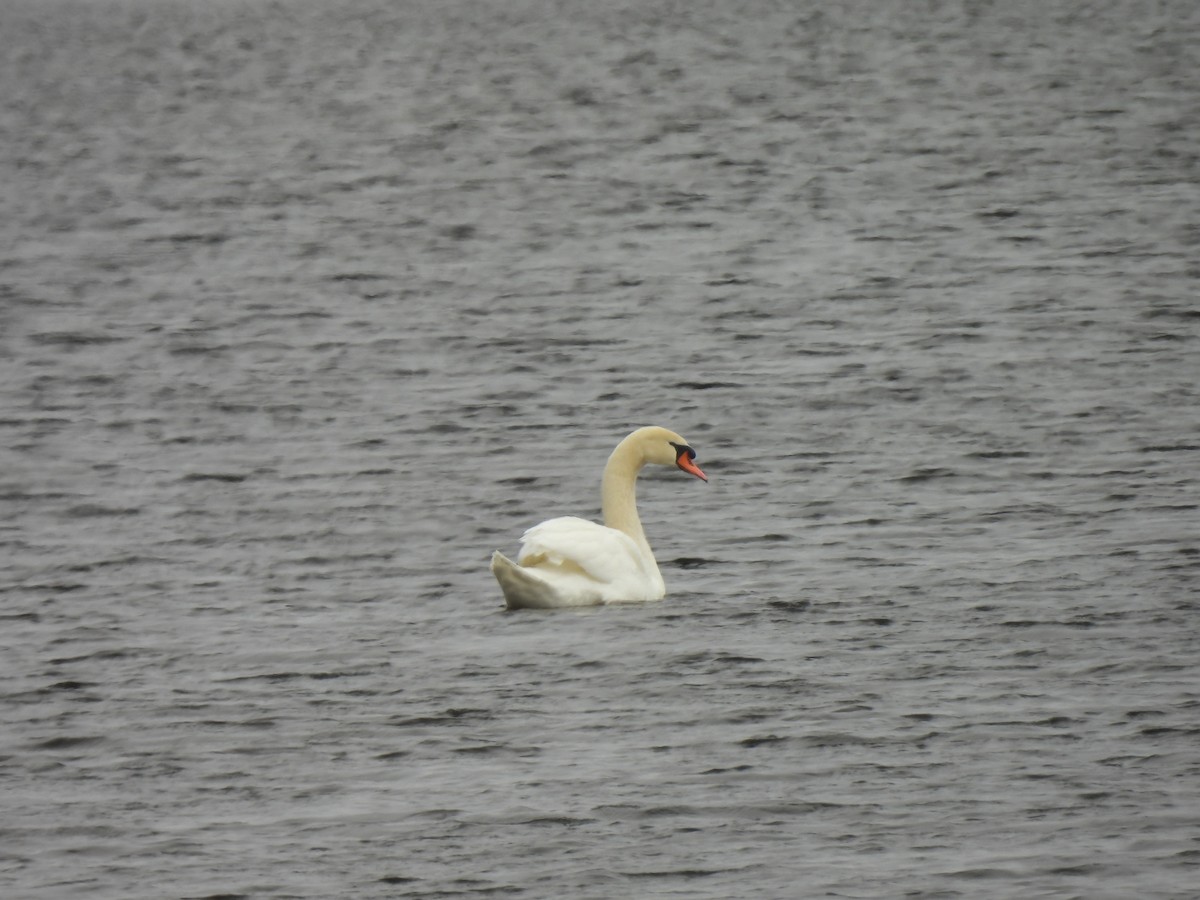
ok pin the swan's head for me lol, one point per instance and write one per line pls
(666, 448)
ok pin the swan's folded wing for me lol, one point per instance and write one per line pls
(573, 544)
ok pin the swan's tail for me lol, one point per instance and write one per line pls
(522, 589)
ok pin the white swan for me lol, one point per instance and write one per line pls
(574, 562)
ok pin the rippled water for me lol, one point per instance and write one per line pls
(307, 308)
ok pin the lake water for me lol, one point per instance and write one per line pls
(306, 308)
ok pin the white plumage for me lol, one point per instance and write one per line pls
(573, 562)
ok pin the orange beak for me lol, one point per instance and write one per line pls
(685, 462)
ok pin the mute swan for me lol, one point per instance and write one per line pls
(573, 562)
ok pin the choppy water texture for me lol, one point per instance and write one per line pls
(308, 307)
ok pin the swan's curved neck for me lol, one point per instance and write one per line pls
(618, 492)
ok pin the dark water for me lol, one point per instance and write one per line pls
(306, 308)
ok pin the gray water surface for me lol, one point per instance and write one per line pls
(306, 308)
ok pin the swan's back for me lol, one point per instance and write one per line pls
(573, 562)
